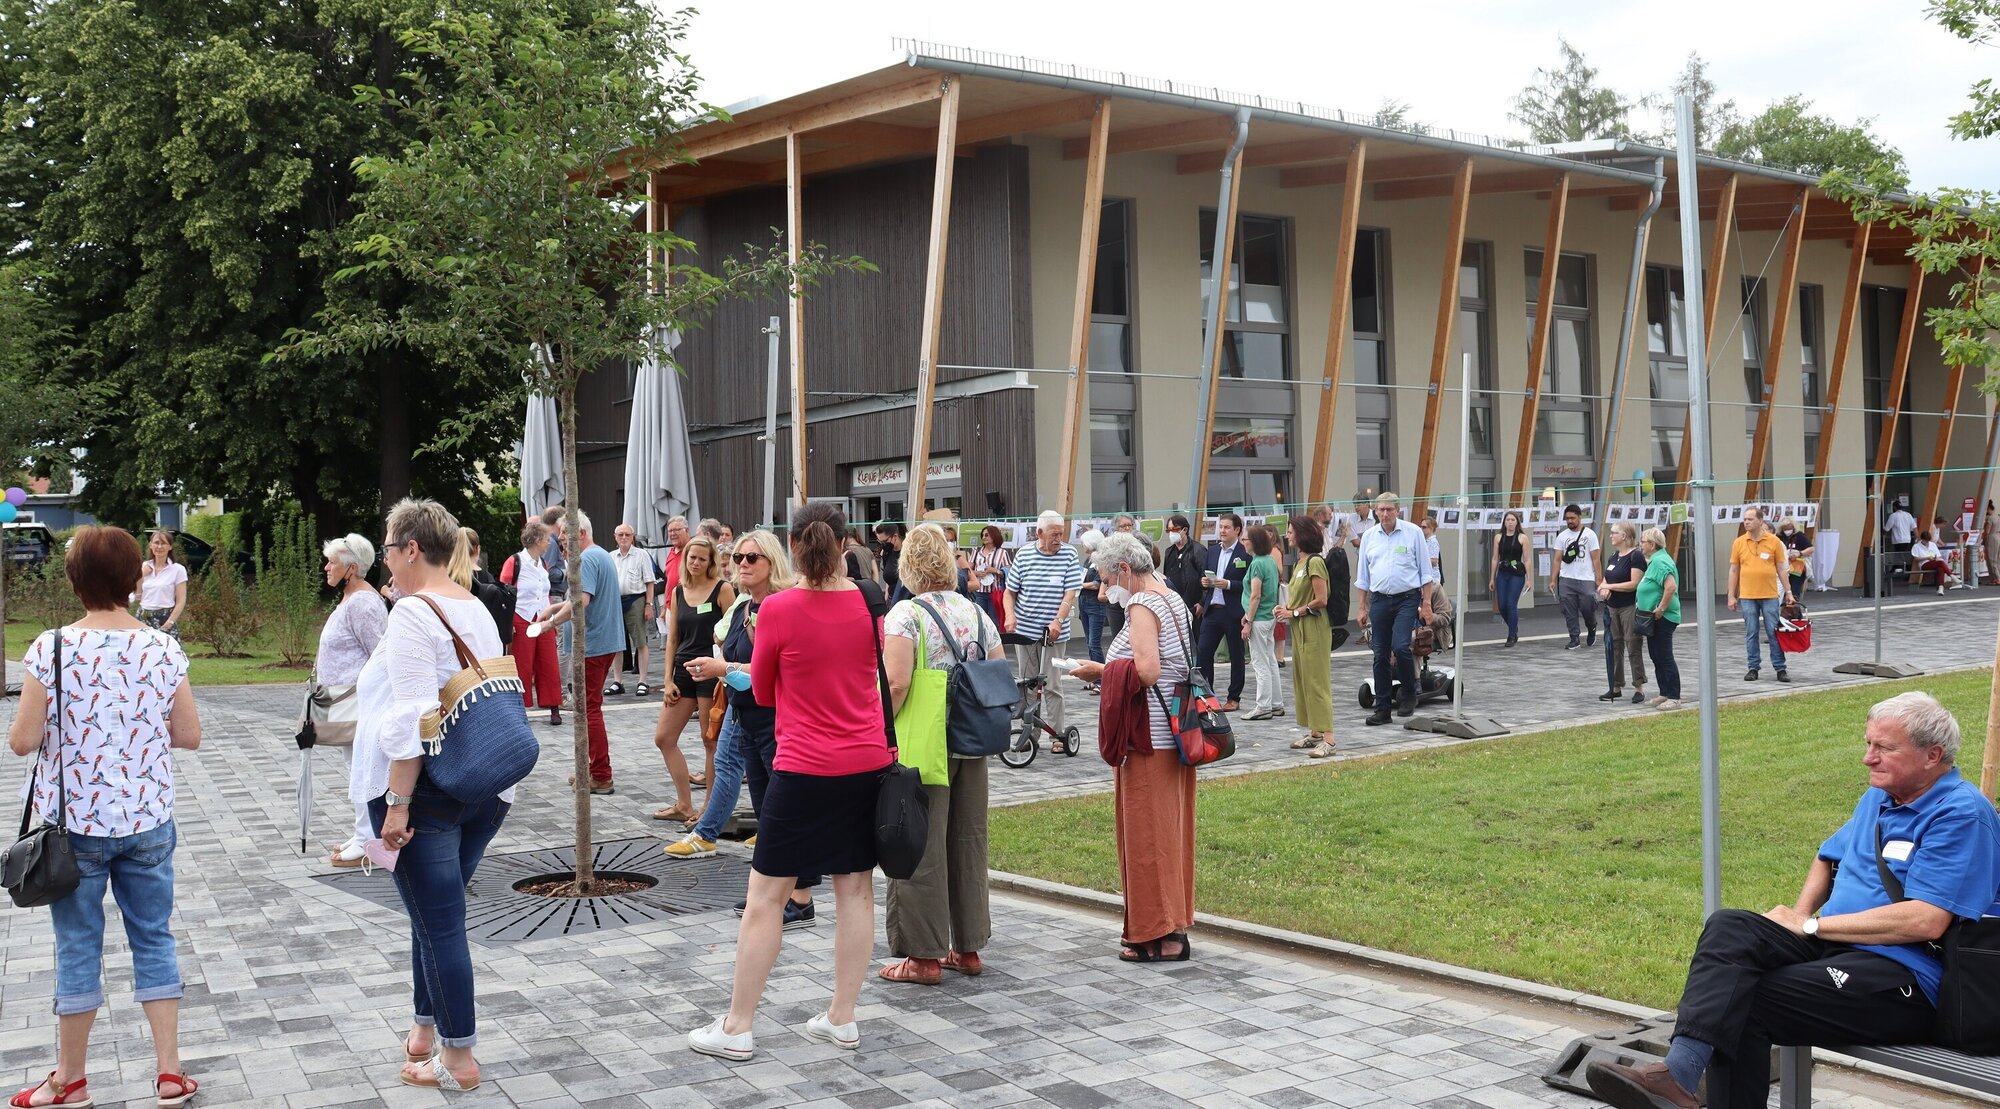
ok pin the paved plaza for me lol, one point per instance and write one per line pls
(297, 989)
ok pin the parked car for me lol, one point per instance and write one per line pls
(26, 544)
(197, 552)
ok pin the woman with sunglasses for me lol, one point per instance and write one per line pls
(694, 609)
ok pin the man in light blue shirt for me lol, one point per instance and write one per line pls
(1396, 580)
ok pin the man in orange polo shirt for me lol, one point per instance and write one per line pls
(1758, 583)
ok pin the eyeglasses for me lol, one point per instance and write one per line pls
(744, 558)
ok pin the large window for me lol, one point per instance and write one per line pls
(1811, 335)
(1566, 415)
(1667, 364)
(1881, 318)
(1475, 339)
(1250, 450)
(1754, 342)
(1374, 443)
(1113, 402)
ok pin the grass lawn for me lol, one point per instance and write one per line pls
(203, 668)
(1570, 857)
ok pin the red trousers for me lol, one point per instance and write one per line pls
(596, 668)
(535, 660)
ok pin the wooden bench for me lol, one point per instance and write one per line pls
(1972, 1072)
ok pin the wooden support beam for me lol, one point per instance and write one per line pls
(1305, 177)
(1296, 152)
(795, 308)
(1338, 319)
(712, 139)
(1513, 182)
(1212, 358)
(1711, 300)
(1442, 347)
(718, 169)
(1021, 121)
(1899, 377)
(882, 136)
(1774, 344)
(1843, 342)
(1186, 132)
(947, 160)
(1954, 383)
(1614, 416)
(1076, 407)
(1390, 169)
(1538, 338)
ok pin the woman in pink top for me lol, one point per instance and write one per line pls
(815, 664)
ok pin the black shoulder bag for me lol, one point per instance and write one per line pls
(1968, 1008)
(41, 866)
(902, 808)
(979, 696)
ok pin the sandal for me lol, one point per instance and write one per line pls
(1305, 742)
(964, 962)
(412, 1057)
(698, 781)
(1058, 747)
(1325, 750)
(439, 1077)
(910, 970)
(24, 1099)
(676, 813)
(174, 1101)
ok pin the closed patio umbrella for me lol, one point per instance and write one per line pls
(659, 458)
(540, 452)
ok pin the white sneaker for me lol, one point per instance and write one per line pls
(349, 854)
(710, 1039)
(1668, 705)
(847, 1036)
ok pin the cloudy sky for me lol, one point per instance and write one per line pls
(1457, 66)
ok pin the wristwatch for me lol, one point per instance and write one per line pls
(1811, 926)
(393, 799)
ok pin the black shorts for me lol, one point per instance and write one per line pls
(812, 824)
(685, 682)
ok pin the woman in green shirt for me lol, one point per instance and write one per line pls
(1260, 626)
(1659, 595)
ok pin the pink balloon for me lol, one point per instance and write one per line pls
(17, 496)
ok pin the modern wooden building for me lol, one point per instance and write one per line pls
(1045, 238)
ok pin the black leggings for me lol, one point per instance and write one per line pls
(1660, 648)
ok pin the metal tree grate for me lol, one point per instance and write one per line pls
(496, 914)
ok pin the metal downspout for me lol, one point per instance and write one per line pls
(1634, 282)
(1224, 214)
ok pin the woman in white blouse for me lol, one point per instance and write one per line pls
(349, 637)
(163, 586)
(440, 839)
(535, 651)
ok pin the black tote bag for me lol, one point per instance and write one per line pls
(902, 808)
(40, 868)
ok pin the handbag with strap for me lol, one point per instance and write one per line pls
(980, 696)
(902, 808)
(330, 714)
(40, 868)
(477, 742)
(923, 719)
(1202, 733)
(1968, 1005)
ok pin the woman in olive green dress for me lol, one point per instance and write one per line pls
(1312, 638)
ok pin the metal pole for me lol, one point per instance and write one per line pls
(1218, 301)
(771, 425)
(1876, 545)
(1464, 525)
(1701, 510)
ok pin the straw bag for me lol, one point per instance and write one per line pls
(477, 742)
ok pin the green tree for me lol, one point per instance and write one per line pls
(183, 172)
(1790, 134)
(32, 410)
(289, 584)
(222, 610)
(1567, 104)
(1713, 115)
(514, 211)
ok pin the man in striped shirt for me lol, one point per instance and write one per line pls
(1042, 584)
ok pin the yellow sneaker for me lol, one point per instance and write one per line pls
(690, 847)
(751, 842)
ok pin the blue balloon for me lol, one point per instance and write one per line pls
(8, 512)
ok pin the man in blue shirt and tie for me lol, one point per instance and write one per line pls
(1396, 580)
(1224, 568)
(1851, 961)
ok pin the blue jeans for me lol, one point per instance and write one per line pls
(1763, 611)
(1507, 590)
(1093, 627)
(431, 875)
(139, 869)
(1392, 619)
(725, 780)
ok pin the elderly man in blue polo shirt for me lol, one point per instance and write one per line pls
(1396, 581)
(1850, 961)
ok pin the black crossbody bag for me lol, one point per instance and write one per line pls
(1968, 1008)
(902, 808)
(40, 867)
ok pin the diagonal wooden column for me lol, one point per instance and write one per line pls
(795, 310)
(1441, 345)
(1850, 303)
(1718, 253)
(1954, 381)
(1614, 416)
(1899, 376)
(1212, 360)
(1076, 405)
(1339, 318)
(1774, 345)
(947, 155)
(1538, 339)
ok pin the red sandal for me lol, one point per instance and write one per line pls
(24, 1099)
(188, 1087)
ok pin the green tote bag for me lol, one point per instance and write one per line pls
(920, 726)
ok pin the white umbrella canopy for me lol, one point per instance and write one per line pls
(659, 458)
(540, 452)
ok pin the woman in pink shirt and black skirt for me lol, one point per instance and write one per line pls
(815, 664)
